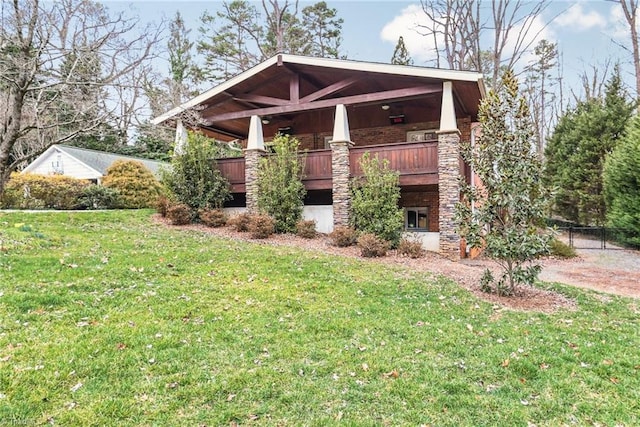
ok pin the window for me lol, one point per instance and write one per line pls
(422, 135)
(416, 219)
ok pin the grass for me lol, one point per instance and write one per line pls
(109, 319)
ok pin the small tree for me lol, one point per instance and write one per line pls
(622, 185)
(194, 178)
(135, 184)
(401, 54)
(280, 188)
(511, 201)
(374, 203)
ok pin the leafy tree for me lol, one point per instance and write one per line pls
(240, 36)
(374, 202)
(135, 184)
(622, 184)
(401, 54)
(54, 56)
(511, 202)
(576, 152)
(280, 188)
(194, 178)
(322, 30)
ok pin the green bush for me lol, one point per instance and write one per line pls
(32, 191)
(240, 222)
(306, 229)
(180, 214)
(261, 226)
(622, 186)
(343, 236)
(137, 186)
(194, 178)
(375, 195)
(212, 217)
(99, 197)
(561, 250)
(372, 246)
(280, 188)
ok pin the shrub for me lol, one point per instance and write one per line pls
(372, 246)
(194, 178)
(561, 250)
(33, 191)
(411, 248)
(306, 229)
(212, 217)
(162, 205)
(375, 195)
(240, 222)
(136, 184)
(280, 188)
(179, 214)
(99, 197)
(343, 236)
(261, 226)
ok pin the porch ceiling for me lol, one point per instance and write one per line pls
(287, 87)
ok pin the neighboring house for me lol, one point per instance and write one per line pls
(83, 163)
(415, 117)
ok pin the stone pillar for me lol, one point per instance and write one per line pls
(448, 191)
(181, 138)
(252, 155)
(340, 167)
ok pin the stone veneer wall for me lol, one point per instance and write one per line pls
(340, 170)
(251, 163)
(449, 191)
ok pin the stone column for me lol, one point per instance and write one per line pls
(448, 173)
(340, 167)
(252, 155)
(448, 191)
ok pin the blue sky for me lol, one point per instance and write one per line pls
(587, 32)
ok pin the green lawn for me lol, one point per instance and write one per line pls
(110, 319)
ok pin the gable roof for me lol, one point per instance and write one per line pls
(267, 87)
(99, 161)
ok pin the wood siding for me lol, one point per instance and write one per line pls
(417, 163)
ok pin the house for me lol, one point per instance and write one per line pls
(415, 117)
(82, 163)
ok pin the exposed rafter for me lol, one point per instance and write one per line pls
(388, 95)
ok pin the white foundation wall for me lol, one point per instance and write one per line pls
(430, 240)
(322, 215)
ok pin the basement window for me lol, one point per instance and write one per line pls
(416, 219)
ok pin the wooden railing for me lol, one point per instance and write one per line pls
(417, 163)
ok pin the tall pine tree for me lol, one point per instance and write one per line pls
(576, 152)
(401, 54)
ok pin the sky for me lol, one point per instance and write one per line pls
(588, 33)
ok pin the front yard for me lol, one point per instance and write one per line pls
(108, 318)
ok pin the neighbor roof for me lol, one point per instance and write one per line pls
(100, 161)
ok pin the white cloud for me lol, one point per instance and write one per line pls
(575, 18)
(407, 24)
(618, 25)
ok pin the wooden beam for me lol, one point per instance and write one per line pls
(294, 88)
(329, 89)
(367, 98)
(259, 99)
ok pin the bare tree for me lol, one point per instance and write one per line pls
(39, 103)
(630, 9)
(459, 27)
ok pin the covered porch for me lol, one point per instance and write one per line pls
(414, 117)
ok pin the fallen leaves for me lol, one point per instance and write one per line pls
(76, 387)
(391, 374)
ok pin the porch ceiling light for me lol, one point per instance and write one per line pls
(265, 121)
(385, 107)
